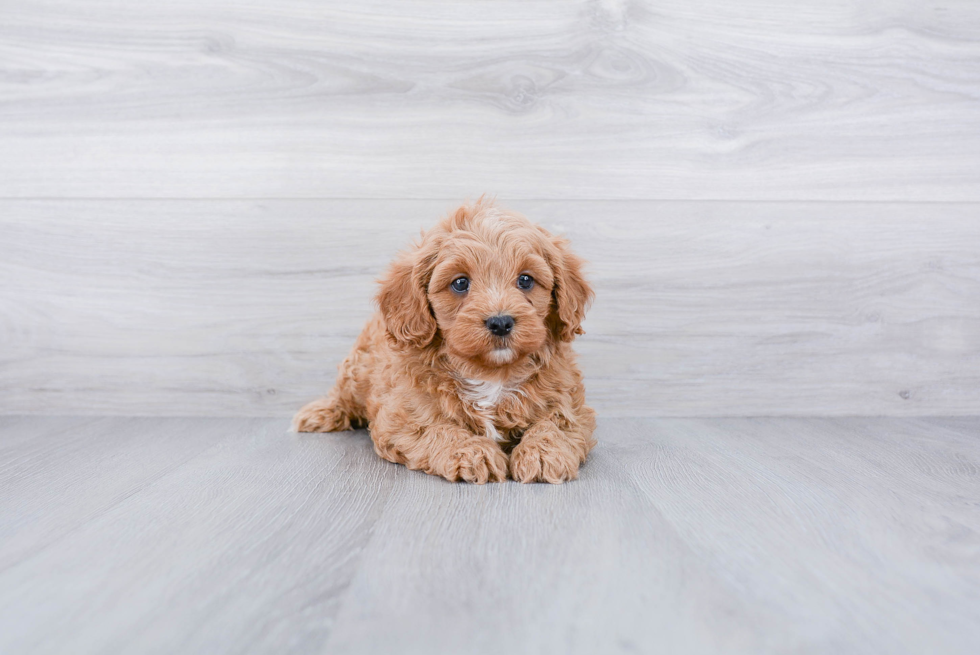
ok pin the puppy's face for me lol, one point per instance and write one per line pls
(490, 291)
(492, 284)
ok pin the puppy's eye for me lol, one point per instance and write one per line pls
(460, 284)
(525, 281)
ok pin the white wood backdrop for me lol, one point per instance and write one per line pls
(708, 308)
(780, 201)
(674, 99)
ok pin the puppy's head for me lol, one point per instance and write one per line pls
(491, 285)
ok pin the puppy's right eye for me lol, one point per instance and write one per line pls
(460, 284)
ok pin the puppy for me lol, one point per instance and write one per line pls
(467, 371)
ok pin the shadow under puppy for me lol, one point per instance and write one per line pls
(467, 371)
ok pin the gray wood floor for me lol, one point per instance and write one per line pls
(774, 535)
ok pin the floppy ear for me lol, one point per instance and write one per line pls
(571, 294)
(403, 299)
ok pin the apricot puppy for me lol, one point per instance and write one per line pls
(467, 371)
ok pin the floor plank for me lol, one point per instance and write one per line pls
(587, 567)
(720, 309)
(73, 470)
(246, 545)
(859, 532)
(703, 535)
(684, 99)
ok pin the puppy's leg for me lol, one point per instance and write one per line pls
(340, 409)
(327, 414)
(441, 449)
(552, 450)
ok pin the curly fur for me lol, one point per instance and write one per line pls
(438, 391)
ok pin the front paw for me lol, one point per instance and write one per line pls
(478, 460)
(544, 458)
(321, 415)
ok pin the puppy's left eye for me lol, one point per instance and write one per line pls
(525, 281)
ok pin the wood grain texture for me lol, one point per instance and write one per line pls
(177, 561)
(77, 489)
(677, 99)
(682, 535)
(711, 309)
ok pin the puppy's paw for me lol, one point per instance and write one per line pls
(543, 458)
(478, 460)
(321, 415)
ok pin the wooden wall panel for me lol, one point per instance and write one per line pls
(780, 201)
(677, 99)
(203, 307)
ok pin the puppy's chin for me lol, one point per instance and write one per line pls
(501, 356)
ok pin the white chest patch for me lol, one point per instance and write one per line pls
(483, 394)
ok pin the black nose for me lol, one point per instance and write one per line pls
(500, 325)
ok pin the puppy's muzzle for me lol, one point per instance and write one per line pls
(500, 325)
